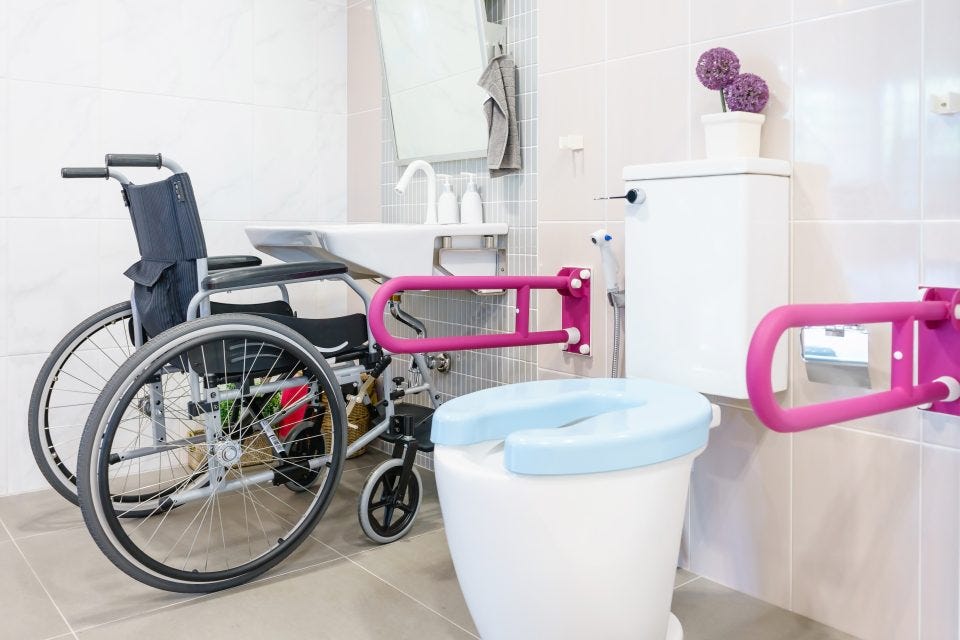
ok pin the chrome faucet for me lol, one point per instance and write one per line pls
(412, 168)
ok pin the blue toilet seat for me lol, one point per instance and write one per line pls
(590, 425)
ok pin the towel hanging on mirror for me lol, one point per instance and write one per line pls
(499, 80)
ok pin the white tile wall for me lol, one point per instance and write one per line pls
(249, 95)
(829, 523)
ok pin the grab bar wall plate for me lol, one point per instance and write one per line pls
(572, 283)
(937, 369)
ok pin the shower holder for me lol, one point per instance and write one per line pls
(572, 283)
(934, 322)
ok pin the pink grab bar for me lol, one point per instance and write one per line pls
(937, 338)
(571, 282)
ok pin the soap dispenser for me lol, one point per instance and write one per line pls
(447, 210)
(471, 206)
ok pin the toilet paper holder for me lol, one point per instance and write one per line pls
(935, 321)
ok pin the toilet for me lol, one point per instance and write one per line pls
(563, 502)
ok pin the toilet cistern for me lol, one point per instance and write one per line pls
(404, 181)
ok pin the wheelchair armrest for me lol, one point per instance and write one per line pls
(270, 275)
(219, 263)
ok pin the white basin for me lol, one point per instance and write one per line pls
(370, 250)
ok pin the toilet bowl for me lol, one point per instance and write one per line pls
(563, 503)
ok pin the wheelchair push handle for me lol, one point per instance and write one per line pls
(85, 172)
(154, 160)
(102, 173)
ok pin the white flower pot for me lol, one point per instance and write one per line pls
(734, 134)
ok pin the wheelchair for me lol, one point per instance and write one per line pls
(215, 434)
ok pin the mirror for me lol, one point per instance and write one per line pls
(433, 53)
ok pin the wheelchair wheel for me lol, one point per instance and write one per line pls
(66, 388)
(385, 512)
(190, 426)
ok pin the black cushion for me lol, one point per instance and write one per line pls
(271, 274)
(218, 263)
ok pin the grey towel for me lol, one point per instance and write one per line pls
(499, 79)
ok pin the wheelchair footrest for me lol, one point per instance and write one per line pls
(414, 420)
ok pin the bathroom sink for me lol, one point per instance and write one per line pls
(372, 250)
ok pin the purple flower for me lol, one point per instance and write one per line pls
(717, 68)
(748, 92)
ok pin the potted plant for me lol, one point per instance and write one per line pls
(735, 132)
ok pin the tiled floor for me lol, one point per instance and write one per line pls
(54, 583)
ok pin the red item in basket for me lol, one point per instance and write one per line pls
(288, 397)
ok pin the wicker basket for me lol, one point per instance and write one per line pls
(257, 449)
(358, 423)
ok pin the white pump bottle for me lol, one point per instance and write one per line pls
(471, 207)
(448, 212)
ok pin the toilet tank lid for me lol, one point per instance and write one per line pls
(701, 168)
(590, 425)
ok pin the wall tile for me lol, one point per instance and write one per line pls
(285, 53)
(940, 265)
(740, 505)
(856, 262)
(5, 301)
(571, 104)
(570, 34)
(807, 9)
(639, 26)
(332, 63)
(56, 126)
(60, 290)
(363, 166)
(134, 34)
(286, 155)
(213, 44)
(35, 31)
(855, 532)
(333, 166)
(117, 250)
(567, 244)
(9, 427)
(940, 558)
(857, 138)
(363, 59)
(660, 135)
(710, 19)
(22, 472)
(766, 53)
(212, 140)
(941, 153)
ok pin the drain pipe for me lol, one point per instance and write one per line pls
(615, 294)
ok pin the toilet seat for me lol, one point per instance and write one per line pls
(570, 427)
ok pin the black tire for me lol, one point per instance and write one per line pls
(58, 466)
(381, 491)
(99, 508)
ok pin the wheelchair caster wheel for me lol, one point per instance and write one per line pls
(386, 513)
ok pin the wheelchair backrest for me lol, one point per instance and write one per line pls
(167, 225)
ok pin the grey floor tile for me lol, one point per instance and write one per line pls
(333, 601)
(369, 459)
(28, 514)
(683, 577)
(421, 567)
(709, 611)
(85, 585)
(340, 528)
(25, 610)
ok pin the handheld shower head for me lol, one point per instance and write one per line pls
(611, 268)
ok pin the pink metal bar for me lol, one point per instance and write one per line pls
(933, 314)
(574, 289)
